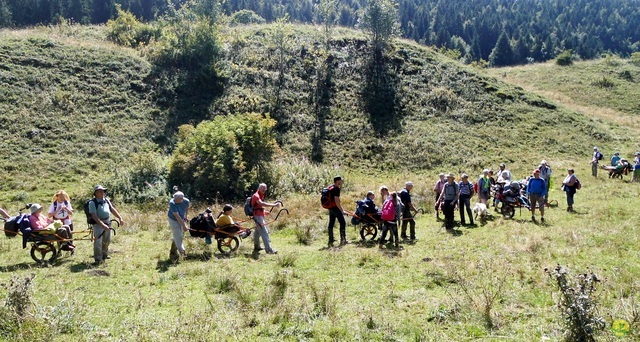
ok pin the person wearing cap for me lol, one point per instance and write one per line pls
(258, 204)
(408, 212)
(569, 185)
(615, 159)
(101, 209)
(545, 173)
(597, 156)
(484, 187)
(41, 224)
(636, 168)
(448, 199)
(536, 191)
(437, 188)
(466, 192)
(177, 219)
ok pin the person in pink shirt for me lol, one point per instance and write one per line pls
(40, 223)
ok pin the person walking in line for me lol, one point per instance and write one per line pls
(448, 199)
(466, 193)
(484, 187)
(437, 188)
(536, 191)
(336, 212)
(570, 184)
(408, 212)
(258, 204)
(391, 212)
(101, 209)
(597, 156)
(545, 173)
(177, 218)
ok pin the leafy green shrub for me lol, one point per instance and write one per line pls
(299, 176)
(564, 58)
(188, 39)
(128, 31)
(626, 75)
(603, 82)
(226, 155)
(244, 17)
(577, 304)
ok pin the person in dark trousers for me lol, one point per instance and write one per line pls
(409, 211)
(448, 199)
(391, 225)
(484, 187)
(336, 212)
(536, 191)
(371, 209)
(437, 188)
(569, 185)
(466, 192)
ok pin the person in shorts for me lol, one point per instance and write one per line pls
(536, 192)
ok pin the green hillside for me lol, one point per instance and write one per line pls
(605, 89)
(76, 107)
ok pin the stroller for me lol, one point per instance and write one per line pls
(228, 238)
(623, 168)
(369, 222)
(513, 196)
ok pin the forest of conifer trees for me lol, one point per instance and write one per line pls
(503, 32)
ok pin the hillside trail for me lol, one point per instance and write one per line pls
(609, 115)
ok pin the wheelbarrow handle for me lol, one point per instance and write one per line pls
(279, 211)
(276, 202)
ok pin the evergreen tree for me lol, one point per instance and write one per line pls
(502, 53)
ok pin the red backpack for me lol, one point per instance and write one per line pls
(326, 198)
(389, 211)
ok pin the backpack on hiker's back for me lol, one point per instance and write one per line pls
(87, 213)
(326, 197)
(389, 210)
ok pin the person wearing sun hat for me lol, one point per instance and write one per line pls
(101, 209)
(447, 201)
(177, 219)
(545, 173)
(536, 191)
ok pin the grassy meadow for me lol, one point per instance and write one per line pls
(77, 109)
(484, 282)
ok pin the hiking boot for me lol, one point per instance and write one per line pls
(273, 251)
(330, 244)
(542, 219)
(343, 242)
(533, 219)
(108, 257)
(97, 263)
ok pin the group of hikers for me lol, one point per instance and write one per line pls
(618, 164)
(449, 194)
(396, 208)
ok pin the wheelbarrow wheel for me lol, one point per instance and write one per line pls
(43, 252)
(508, 211)
(368, 232)
(228, 245)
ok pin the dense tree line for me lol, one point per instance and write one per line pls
(534, 29)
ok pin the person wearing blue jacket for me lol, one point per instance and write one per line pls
(536, 192)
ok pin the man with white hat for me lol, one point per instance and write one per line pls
(545, 173)
(177, 218)
(597, 156)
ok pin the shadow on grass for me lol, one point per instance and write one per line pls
(81, 267)
(366, 243)
(454, 232)
(18, 267)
